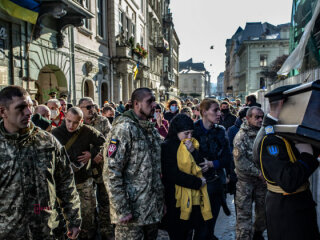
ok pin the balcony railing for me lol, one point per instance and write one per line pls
(162, 45)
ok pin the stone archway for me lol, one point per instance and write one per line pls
(50, 79)
(88, 89)
(104, 93)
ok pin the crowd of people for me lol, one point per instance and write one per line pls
(125, 170)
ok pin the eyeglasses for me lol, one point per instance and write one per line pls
(88, 107)
(258, 116)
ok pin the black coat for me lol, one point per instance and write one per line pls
(288, 216)
(228, 120)
(214, 146)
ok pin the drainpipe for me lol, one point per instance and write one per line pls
(72, 66)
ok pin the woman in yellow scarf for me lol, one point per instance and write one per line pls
(187, 200)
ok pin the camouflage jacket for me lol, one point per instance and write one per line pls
(132, 170)
(242, 152)
(34, 172)
(103, 125)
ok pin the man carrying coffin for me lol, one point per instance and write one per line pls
(286, 167)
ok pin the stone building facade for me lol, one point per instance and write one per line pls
(85, 48)
(249, 52)
(192, 83)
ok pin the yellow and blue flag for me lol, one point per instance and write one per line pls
(27, 10)
(136, 70)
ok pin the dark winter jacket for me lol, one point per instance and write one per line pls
(89, 139)
(232, 132)
(228, 120)
(169, 115)
(214, 146)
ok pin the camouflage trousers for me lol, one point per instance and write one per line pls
(147, 232)
(104, 221)
(247, 193)
(88, 206)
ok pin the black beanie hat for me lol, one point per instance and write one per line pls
(180, 123)
(40, 121)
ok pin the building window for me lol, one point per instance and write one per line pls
(120, 20)
(127, 28)
(100, 18)
(262, 83)
(263, 60)
(87, 22)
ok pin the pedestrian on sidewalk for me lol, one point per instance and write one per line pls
(179, 155)
(251, 186)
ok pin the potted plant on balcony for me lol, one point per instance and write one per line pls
(140, 51)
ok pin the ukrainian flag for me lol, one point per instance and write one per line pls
(27, 10)
(136, 70)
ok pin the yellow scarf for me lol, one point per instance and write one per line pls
(187, 197)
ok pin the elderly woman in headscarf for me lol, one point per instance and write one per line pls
(186, 197)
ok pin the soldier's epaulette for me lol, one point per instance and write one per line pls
(269, 130)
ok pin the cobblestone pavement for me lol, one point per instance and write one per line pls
(225, 227)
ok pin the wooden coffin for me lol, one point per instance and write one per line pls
(300, 116)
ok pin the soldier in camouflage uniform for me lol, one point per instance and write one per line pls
(103, 125)
(34, 172)
(87, 144)
(250, 186)
(132, 171)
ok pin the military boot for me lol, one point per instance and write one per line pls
(257, 236)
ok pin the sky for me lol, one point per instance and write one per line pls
(203, 23)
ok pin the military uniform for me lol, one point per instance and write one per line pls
(34, 172)
(131, 173)
(290, 209)
(249, 187)
(90, 140)
(103, 125)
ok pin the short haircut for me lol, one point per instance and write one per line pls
(107, 108)
(251, 109)
(84, 99)
(206, 104)
(225, 103)
(9, 92)
(139, 94)
(56, 101)
(40, 107)
(252, 98)
(76, 111)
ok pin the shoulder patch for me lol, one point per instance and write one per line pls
(273, 150)
(113, 147)
(269, 130)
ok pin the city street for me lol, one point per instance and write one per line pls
(225, 227)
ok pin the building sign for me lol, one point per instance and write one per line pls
(3, 76)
